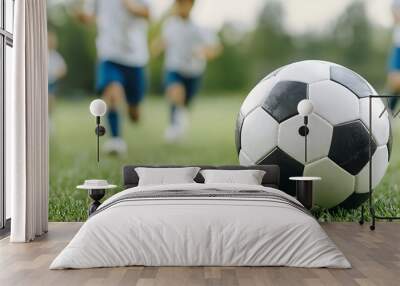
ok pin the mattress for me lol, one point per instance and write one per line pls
(201, 225)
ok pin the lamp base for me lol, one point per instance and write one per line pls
(304, 131)
(100, 130)
(96, 195)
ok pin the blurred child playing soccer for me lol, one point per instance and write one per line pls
(57, 68)
(187, 50)
(394, 59)
(122, 56)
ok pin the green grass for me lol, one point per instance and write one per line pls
(210, 141)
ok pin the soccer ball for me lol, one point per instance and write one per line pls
(269, 131)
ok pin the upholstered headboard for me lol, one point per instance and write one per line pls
(271, 178)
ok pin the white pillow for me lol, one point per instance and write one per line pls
(165, 176)
(246, 177)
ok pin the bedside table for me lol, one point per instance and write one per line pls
(304, 190)
(96, 190)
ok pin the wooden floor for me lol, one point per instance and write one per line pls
(375, 257)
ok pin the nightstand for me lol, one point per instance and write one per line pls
(96, 190)
(304, 190)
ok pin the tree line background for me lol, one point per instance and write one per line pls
(351, 40)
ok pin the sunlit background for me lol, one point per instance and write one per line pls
(302, 16)
(258, 36)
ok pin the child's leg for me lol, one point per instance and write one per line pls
(175, 93)
(181, 94)
(52, 87)
(110, 85)
(186, 90)
(192, 86)
(113, 96)
(394, 81)
(136, 83)
(177, 98)
(52, 100)
(51, 104)
(134, 113)
(394, 76)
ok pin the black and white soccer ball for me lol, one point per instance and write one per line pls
(338, 141)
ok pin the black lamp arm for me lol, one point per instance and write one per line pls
(305, 138)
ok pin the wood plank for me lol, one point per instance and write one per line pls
(375, 257)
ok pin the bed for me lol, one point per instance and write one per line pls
(199, 224)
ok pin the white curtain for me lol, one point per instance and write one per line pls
(26, 124)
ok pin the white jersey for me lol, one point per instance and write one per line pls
(121, 36)
(56, 66)
(396, 36)
(396, 29)
(183, 39)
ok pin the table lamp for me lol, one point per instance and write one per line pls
(98, 108)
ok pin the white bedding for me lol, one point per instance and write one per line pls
(200, 231)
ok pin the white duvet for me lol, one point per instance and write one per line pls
(202, 232)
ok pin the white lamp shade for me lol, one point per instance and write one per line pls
(98, 107)
(305, 107)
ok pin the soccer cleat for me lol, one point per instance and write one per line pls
(177, 130)
(173, 134)
(181, 119)
(115, 146)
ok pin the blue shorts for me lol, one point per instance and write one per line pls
(190, 83)
(394, 60)
(132, 79)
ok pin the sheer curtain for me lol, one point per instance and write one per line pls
(26, 124)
